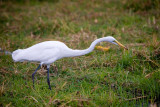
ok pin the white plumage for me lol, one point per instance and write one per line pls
(46, 52)
(49, 51)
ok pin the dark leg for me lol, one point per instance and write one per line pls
(48, 81)
(35, 73)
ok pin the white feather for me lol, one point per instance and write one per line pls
(49, 51)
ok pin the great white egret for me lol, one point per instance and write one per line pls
(49, 51)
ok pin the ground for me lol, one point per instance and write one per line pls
(101, 78)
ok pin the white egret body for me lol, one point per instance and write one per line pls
(49, 51)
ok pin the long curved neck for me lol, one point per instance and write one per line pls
(74, 53)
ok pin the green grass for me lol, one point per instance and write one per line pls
(113, 78)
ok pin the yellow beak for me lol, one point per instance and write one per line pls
(121, 45)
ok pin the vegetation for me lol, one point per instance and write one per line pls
(142, 5)
(112, 78)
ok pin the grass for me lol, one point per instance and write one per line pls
(112, 78)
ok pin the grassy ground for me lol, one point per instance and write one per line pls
(113, 78)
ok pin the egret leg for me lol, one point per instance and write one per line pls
(48, 81)
(35, 73)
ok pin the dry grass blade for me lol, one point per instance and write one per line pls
(63, 85)
(151, 61)
(60, 87)
(2, 89)
(63, 105)
(135, 98)
(147, 57)
(153, 105)
(51, 99)
(32, 98)
(135, 44)
(8, 104)
(81, 100)
(57, 102)
(95, 87)
(155, 43)
(150, 74)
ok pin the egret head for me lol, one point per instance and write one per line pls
(114, 41)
